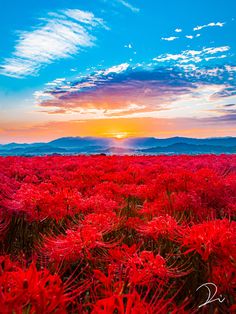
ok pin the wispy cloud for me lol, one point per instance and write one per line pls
(213, 24)
(169, 38)
(194, 35)
(129, 6)
(59, 35)
(193, 56)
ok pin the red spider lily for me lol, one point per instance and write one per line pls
(42, 201)
(103, 222)
(122, 253)
(133, 303)
(127, 218)
(109, 189)
(116, 304)
(165, 226)
(76, 243)
(223, 275)
(216, 237)
(113, 304)
(107, 285)
(6, 264)
(97, 203)
(71, 246)
(34, 291)
(134, 223)
(145, 268)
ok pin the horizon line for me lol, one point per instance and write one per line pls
(119, 138)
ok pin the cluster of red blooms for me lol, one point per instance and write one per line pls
(117, 234)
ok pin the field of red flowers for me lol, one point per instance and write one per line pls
(118, 234)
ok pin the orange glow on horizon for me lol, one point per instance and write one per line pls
(117, 135)
(113, 128)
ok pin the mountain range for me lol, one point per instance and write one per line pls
(109, 146)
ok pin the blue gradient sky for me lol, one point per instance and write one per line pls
(117, 68)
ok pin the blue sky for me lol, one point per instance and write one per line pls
(76, 66)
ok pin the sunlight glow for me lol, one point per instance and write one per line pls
(120, 135)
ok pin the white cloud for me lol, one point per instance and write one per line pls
(199, 27)
(168, 57)
(189, 36)
(212, 58)
(62, 35)
(194, 56)
(230, 68)
(15, 67)
(169, 38)
(83, 17)
(117, 68)
(214, 50)
(56, 82)
(179, 30)
(129, 6)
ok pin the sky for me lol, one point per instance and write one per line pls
(117, 68)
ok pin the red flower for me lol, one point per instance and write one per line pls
(223, 274)
(32, 291)
(217, 237)
(145, 268)
(165, 226)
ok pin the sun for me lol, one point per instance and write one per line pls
(120, 135)
(117, 134)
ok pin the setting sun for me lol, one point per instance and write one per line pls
(120, 135)
(117, 134)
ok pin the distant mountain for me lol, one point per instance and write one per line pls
(156, 142)
(140, 142)
(80, 142)
(19, 145)
(182, 148)
(31, 150)
(146, 145)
